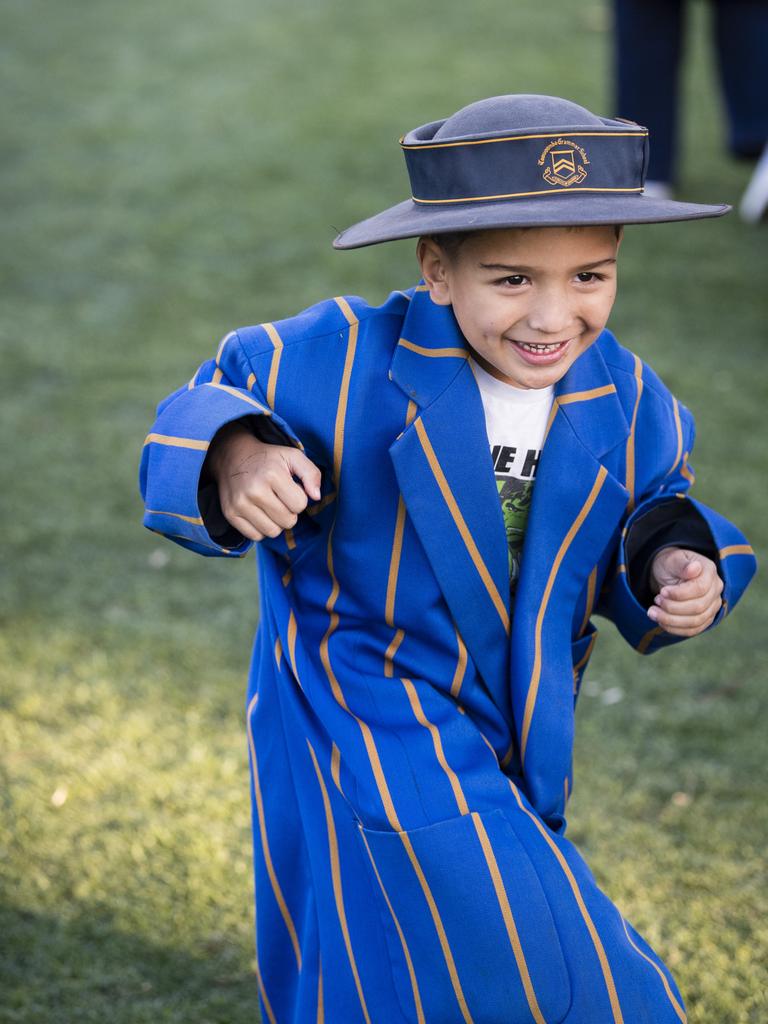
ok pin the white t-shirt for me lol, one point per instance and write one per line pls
(515, 421)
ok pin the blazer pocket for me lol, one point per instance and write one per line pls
(468, 928)
(581, 652)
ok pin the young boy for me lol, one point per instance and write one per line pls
(416, 667)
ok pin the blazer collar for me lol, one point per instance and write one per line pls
(431, 349)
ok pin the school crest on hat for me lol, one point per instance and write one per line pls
(522, 161)
(561, 160)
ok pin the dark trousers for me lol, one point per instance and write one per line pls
(648, 41)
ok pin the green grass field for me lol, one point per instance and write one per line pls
(175, 170)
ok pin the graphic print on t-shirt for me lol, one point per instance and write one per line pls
(515, 495)
(516, 424)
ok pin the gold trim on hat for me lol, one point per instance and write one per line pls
(517, 195)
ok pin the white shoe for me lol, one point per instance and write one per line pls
(754, 202)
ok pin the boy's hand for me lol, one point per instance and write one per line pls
(257, 492)
(687, 589)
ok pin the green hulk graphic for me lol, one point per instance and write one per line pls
(515, 498)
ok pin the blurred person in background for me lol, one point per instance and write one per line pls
(648, 49)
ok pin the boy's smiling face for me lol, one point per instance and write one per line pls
(528, 301)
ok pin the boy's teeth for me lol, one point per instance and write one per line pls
(539, 348)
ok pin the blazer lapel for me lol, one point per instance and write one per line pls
(577, 504)
(445, 473)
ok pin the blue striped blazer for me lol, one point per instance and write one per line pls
(410, 732)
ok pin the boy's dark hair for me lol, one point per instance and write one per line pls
(451, 241)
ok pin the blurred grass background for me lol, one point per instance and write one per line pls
(171, 171)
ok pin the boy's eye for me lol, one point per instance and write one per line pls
(588, 276)
(514, 280)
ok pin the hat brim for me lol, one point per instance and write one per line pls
(410, 219)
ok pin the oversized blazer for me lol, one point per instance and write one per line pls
(411, 732)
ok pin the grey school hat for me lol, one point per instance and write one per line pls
(522, 161)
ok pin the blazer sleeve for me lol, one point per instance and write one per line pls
(664, 514)
(283, 381)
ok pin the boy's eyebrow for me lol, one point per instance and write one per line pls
(600, 263)
(517, 267)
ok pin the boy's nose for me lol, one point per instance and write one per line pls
(551, 314)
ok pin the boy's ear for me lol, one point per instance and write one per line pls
(434, 269)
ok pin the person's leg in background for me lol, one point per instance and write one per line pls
(648, 47)
(741, 42)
